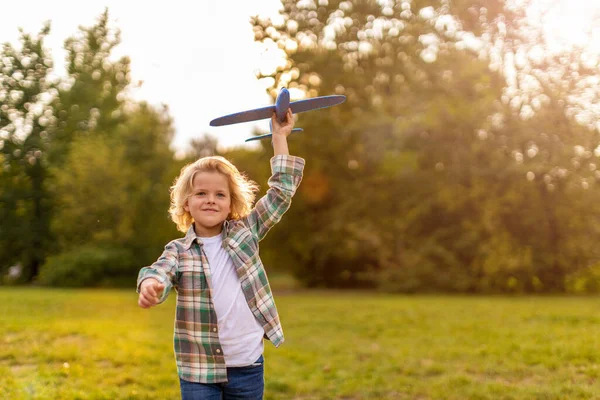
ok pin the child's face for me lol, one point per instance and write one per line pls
(209, 203)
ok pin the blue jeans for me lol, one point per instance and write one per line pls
(244, 383)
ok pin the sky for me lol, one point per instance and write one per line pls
(198, 57)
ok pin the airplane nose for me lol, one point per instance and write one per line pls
(282, 104)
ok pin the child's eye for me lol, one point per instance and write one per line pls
(200, 194)
(221, 195)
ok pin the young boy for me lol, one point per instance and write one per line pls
(224, 303)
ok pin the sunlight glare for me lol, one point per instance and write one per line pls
(569, 23)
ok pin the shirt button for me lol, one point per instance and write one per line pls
(214, 329)
(219, 351)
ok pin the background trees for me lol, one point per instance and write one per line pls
(26, 118)
(455, 159)
(464, 159)
(85, 169)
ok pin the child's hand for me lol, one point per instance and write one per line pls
(283, 128)
(150, 293)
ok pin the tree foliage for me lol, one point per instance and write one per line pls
(26, 117)
(465, 158)
(436, 174)
(83, 167)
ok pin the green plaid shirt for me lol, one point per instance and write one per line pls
(184, 266)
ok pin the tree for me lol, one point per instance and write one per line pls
(417, 188)
(27, 120)
(112, 192)
(91, 98)
(84, 169)
(357, 170)
(112, 162)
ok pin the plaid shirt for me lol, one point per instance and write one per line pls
(184, 266)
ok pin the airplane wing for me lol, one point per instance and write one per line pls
(244, 116)
(266, 112)
(316, 103)
(268, 135)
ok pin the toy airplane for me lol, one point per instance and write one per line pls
(281, 106)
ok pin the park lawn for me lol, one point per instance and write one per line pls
(97, 344)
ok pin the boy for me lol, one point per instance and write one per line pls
(224, 302)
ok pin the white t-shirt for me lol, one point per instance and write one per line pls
(240, 334)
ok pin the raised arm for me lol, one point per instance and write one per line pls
(286, 175)
(280, 133)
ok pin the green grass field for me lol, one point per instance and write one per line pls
(97, 344)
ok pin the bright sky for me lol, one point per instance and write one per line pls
(571, 22)
(199, 57)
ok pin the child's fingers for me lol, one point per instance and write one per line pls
(150, 298)
(152, 288)
(144, 303)
(148, 291)
(159, 288)
(288, 116)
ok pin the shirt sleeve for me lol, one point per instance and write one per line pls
(286, 175)
(163, 270)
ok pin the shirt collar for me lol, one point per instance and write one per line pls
(191, 237)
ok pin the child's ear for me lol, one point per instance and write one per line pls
(186, 207)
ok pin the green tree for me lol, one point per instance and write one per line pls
(146, 136)
(113, 193)
(362, 155)
(112, 162)
(93, 93)
(419, 181)
(84, 169)
(27, 119)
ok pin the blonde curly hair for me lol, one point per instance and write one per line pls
(242, 190)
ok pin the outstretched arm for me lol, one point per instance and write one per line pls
(155, 282)
(281, 130)
(285, 178)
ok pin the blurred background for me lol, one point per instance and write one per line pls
(464, 159)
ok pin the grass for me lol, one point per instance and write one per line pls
(97, 344)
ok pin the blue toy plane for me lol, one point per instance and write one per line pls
(281, 106)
